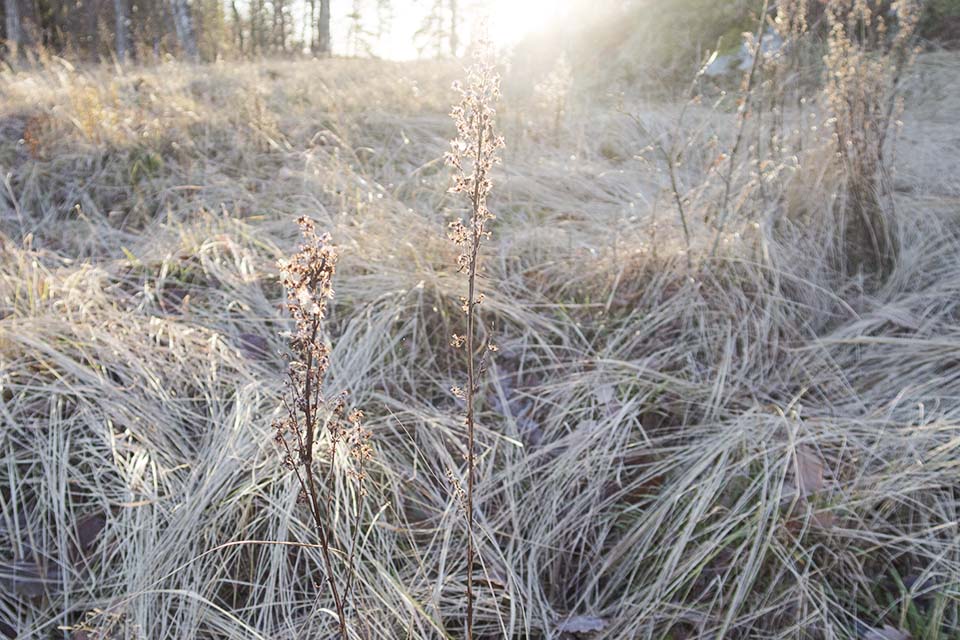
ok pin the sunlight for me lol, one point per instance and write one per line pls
(512, 20)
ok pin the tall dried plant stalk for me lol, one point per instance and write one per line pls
(743, 115)
(308, 281)
(865, 64)
(472, 156)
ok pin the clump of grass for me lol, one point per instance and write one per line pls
(308, 281)
(819, 103)
(865, 64)
(473, 154)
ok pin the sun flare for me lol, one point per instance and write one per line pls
(512, 20)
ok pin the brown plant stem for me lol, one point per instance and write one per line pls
(471, 383)
(307, 278)
(472, 155)
(743, 115)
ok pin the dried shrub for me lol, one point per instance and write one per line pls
(869, 48)
(312, 420)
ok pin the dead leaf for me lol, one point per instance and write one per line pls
(27, 579)
(88, 530)
(809, 471)
(607, 397)
(254, 347)
(604, 394)
(887, 633)
(823, 519)
(582, 624)
(495, 580)
(171, 298)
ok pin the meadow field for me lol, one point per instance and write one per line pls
(707, 416)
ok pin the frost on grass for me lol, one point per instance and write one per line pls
(758, 446)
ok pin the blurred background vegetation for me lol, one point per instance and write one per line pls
(667, 36)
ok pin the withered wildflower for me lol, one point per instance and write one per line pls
(472, 155)
(865, 65)
(310, 416)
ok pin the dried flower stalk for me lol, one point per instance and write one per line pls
(865, 64)
(473, 154)
(308, 280)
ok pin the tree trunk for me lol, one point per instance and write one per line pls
(282, 15)
(274, 39)
(92, 32)
(454, 41)
(121, 14)
(312, 26)
(237, 24)
(254, 28)
(14, 28)
(323, 28)
(261, 28)
(183, 23)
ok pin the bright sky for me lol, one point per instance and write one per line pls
(510, 21)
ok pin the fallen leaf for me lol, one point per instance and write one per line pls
(810, 471)
(495, 580)
(604, 394)
(254, 347)
(887, 633)
(582, 624)
(27, 579)
(172, 298)
(823, 519)
(88, 530)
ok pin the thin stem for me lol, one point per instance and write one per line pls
(325, 552)
(311, 485)
(351, 558)
(471, 373)
(678, 199)
(747, 92)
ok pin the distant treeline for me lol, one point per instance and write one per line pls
(210, 29)
(144, 29)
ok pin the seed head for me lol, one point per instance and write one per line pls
(474, 151)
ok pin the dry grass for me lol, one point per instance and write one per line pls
(752, 449)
